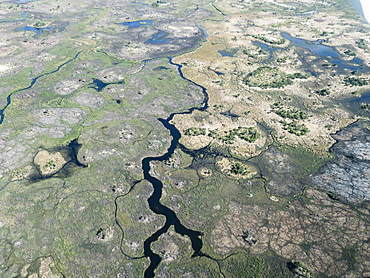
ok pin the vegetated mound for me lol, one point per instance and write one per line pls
(270, 77)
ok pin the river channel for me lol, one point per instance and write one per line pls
(154, 200)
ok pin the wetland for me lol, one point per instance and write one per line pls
(182, 139)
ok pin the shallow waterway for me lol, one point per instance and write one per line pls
(154, 200)
(317, 48)
(34, 80)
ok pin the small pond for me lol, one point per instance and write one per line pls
(158, 38)
(228, 52)
(315, 47)
(36, 30)
(137, 24)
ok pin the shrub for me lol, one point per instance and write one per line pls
(195, 131)
(323, 92)
(295, 128)
(355, 81)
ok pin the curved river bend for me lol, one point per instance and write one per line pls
(154, 200)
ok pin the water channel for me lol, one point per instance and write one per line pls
(34, 80)
(317, 48)
(154, 200)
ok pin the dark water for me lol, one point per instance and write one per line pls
(160, 68)
(158, 208)
(229, 114)
(154, 200)
(36, 30)
(345, 65)
(99, 85)
(270, 49)
(266, 47)
(137, 24)
(355, 103)
(4, 21)
(159, 38)
(317, 48)
(228, 53)
(217, 72)
(70, 153)
(8, 98)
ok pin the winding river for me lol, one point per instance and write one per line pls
(154, 200)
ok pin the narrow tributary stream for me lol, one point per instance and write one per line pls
(154, 199)
(33, 82)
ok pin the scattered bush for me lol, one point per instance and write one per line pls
(365, 106)
(238, 169)
(270, 77)
(295, 128)
(249, 134)
(323, 92)
(350, 53)
(195, 131)
(355, 81)
(270, 41)
(363, 44)
(291, 114)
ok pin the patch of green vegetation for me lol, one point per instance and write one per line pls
(49, 142)
(349, 255)
(269, 40)
(195, 131)
(365, 106)
(323, 92)
(304, 160)
(297, 75)
(299, 269)
(227, 137)
(39, 24)
(333, 196)
(355, 81)
(291, 114)
(59, 103)
(281, 60)
(253, 267)
(363, 44)
(254, 53)
(19, 80)
(295, 128)
(270, 77)
(238, 169)
(356, 72)
(249, 134)
(242, 265)
(218, 106)
(50, 165)
(350, 53)
(327, 65)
